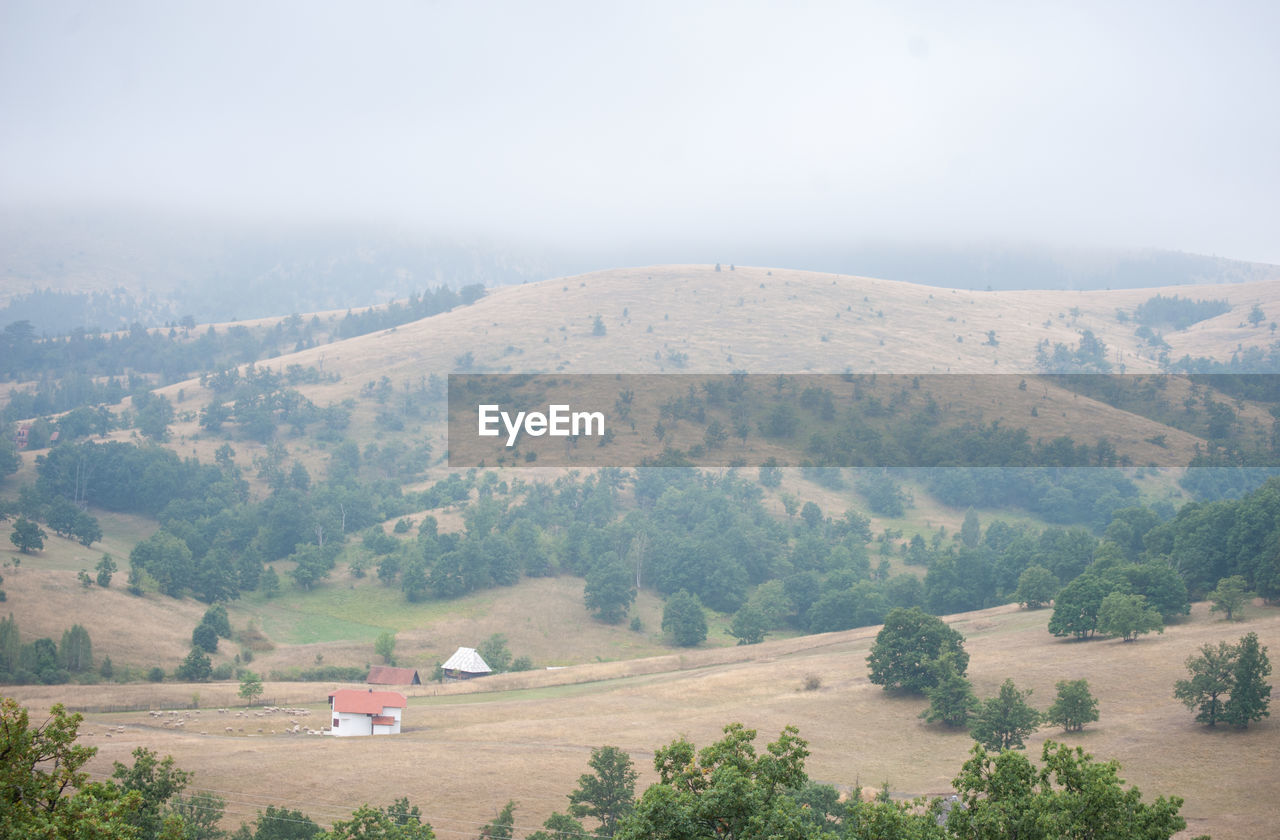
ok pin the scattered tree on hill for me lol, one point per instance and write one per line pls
(559, 827)
(1128, 616)
(1037, 587)
(610, 589)
(908, 650)
(106, 568)
(1074, 706)
(279, 824)
(749, 625)
(1003, 722)
(205, 638)
(1230, 596)
(250, 687)
(1071, 795)
(608, 794)
(1250, 692)
(1075, 609)
(393, 822)
(200, 813)
(27, 536)
(951, 700)
(683, 618)
(385, 646)
(495, 653)
(503, 826)
(196, 667)
(1212, 676)
(156, 781)
(75, 654)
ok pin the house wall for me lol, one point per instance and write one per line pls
(351, 724)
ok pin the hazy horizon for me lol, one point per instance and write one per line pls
(586, 127)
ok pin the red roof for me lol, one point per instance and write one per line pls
(355, 701)
(387, 675)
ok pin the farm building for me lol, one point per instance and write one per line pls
(368, 712)
(465, 664)
(387, 675)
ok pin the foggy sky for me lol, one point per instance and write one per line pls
(573, 123)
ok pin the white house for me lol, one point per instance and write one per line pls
(367, 712)
(465, 664)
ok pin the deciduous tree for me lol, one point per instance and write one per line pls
(608, 794)
(1250, 692)
(1073, 707)
(1003, 722)
(1128, 616)
(909, 647)
(1212, 675)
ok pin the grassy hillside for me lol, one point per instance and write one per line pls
(527, 736)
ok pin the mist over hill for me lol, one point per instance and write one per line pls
(98, 270)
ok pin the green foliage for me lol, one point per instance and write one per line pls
(394, 822)
(908, 650)
(27, 536)
(1070, 796)
(1212, 678)
(1003, 722)
(495, 653)
(683, 618)
(385, 646)
(280, 824)
(200, 813)
(559, 827)
(607, 795)
(610, 589)
(75, 654)
(155, 781)
(250, 687)
(1250, 692)
(749, 625)
(1037, 587)
(205, 638)
(1230, 597)
(196, 667)
(1128, 616)
(44, 791)
(503, 826)
(951, 699)
(1074, 706)
(105, 568)
(1075, 610)
(724, 790)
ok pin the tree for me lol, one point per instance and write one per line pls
(1128, 616)
(106, 568)
(1004, 721)
(1230, 597)
(216, 618)
(86, 529)
(725, 790)
(200, 814)
(908, 648)
(749, 625)
(196, 667)
(683, 618)
(1075, 609)
(951, 700)
(608, 794)
(280, 824)
(156, 781)
(385, 646)
(1070, 796)
(495, 653)
(970, 530)
(394, 822)
(27, 536)
(1074, 706)
(250, 687)
(559, 827)
(610, 589)
(205, 638)
(1250, 693)
(503, 826)
(43, 790)
(76, 651)
(1212, 675)
(1036, 587)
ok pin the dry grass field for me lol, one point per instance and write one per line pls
(469, 748)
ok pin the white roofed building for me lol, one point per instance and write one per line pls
(465, 664)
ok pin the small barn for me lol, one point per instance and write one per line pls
(367, 712)
(387, 675)
(465, 664)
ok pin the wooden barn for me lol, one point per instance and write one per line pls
(388, 675)
(465, 664)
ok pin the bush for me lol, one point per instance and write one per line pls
(812, 682)
(156, 674)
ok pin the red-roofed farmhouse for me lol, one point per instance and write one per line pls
(357, 712)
